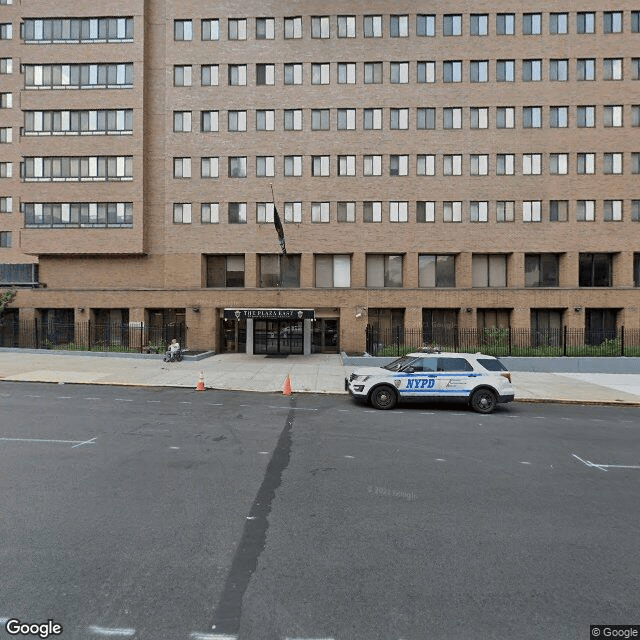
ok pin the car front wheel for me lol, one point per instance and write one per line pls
(484, 401)
(383, 397)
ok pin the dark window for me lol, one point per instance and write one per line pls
(225, 271)
(492, 365)
(600, 325)
(280, 271)
(541, 270)
(454, 364)
(595, 269)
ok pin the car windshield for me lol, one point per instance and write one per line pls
(492, 364)
(400, 364)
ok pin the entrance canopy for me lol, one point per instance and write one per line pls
(269, 314)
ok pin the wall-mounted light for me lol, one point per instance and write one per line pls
(468, 309)
(577, 309)
(360, 312)
(196, 309)
(81, 309)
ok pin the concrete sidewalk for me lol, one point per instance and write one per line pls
(319, 373)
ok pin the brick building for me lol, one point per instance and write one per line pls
(433, 168)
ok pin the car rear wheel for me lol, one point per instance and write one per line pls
(484, 401)
(383, 397)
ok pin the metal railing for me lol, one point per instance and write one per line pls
(498, 341)
(132, 337)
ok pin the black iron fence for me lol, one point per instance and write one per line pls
(133, 337)
(497, 341)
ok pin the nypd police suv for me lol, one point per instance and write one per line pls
(479, 380)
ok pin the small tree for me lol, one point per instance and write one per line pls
(5, 299)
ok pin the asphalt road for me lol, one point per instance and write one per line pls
(173, 514)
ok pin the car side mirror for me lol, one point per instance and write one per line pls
(409, 370)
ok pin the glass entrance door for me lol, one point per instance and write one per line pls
(277, 337)
(325, 335)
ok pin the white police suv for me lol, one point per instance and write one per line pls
(479, 380)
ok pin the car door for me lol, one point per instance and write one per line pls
(420, 380)
(456, 377)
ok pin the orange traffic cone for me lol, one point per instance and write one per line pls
(287, 386)
(200, 385)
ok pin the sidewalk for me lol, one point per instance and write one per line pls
(319, 373)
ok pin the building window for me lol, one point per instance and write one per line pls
(532, 24)
(426, 165)
(78, 168)
(372, 119)
(636, 269)
(293, 119)
(210, 29)
(265, 120)
(425, 25)
(399, 72)
(293, 212)
(6, 169)
(182, 213)
(505, 70)
(182, 75)
(426, 72)
(346, 165)
(586, 68)
(293, 73)
(346, 26)
(78, 76)
(6, 66)
(612, 163)
(399, 26)
(346, 72)
(531, 164)
(612, 211)
(612, 68)
(586, 22)
(293, 28)
(531, 211)
(6, 204)
(452, 211)
(505, 164)
(635, 21)
(372, 211)
(333, 271)
(6, 100)
(489, 270)
(532, 117)
(505, 117)
(210, 213)
(559, 163)
(478, 211)
(293, 166)
(209, 121)
(541, 269)
(612, 22)
(265, 74)
(5, 239)
(237, 213)
(346, 212)
(479, 71)
(346, 119)
(425, 211)
(559, 70)
(399, 118)
(182, 30)
(75, 30)
(265, 29)
(452, 165)
(452, 118)
(320, 73)
(6, 31)
(532, 70)
(635, 68)
(479, 165)
(595, 269)
(398, 165)
(452, 25)
(264, 212)
(225, 271)
(586, 163)
(373, 72)
(373, 26)
(372, 165)
(559, 23)
(452, 71)
(182, 167)
(479, 24)
(384, 271)
(209, 76)
(279, 271)
(635, 210)
(237, 29)
(237, 120)
(320, 166)
(586, 210)
(558, 210)
(398, 211)
(586, 116)
(426, 118)
(635, 115)
(436, 270)
(558, 117)
(237, 75)
(238, 167)
(265, 166)
(505, 24)
(320, 27)
(505, 211)
(635, 163)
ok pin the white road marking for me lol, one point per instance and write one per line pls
(31, 396)
(566, 418)
(589, 464)
(539, 417)
(288, 408)
(597, 420)
(212, 404)
(174, 447)
(345, 410)
(211, 636)
(154, 400)
(263, 453)
(185, 402)
(123, 400)
(351, 457)
(427, 413)
(92, 398)
(41, 440)
(107, 631)
(440, 460)
(64, 397)
(85, 442)
(522, 462)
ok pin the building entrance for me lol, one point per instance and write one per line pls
(278, 337)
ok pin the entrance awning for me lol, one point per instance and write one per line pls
(269, 314)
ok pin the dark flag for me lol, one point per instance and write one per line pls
(279, 229)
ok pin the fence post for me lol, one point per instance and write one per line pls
(622, 340)
(509, 334)
(564, 340)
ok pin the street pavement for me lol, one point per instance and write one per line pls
(318, 373)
